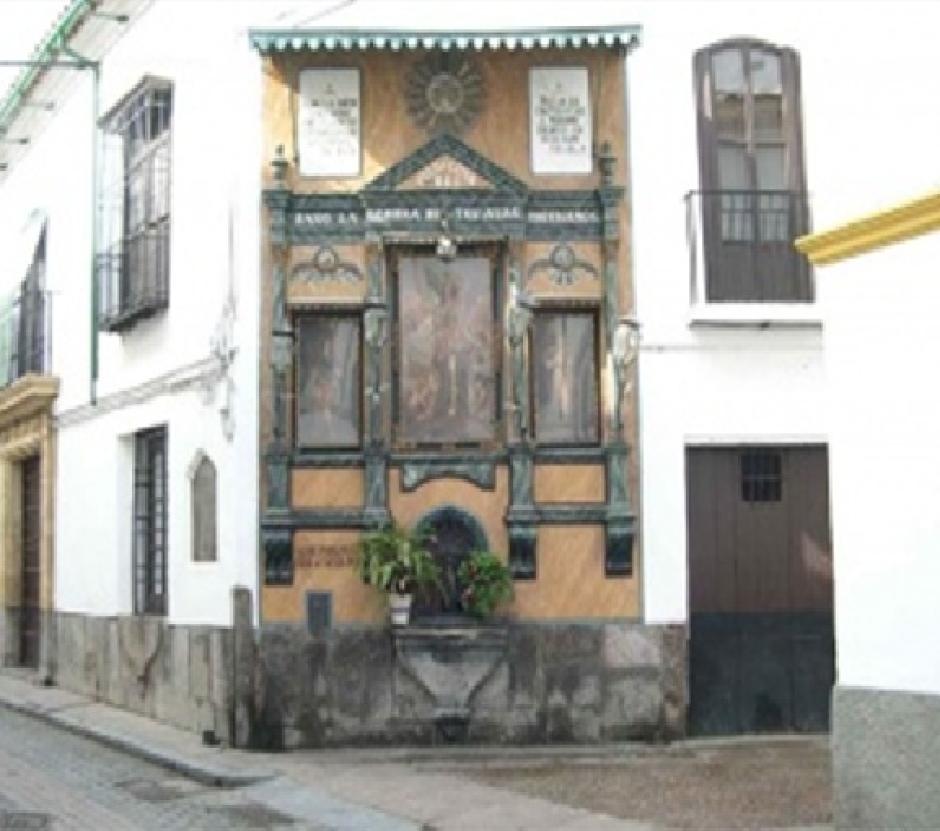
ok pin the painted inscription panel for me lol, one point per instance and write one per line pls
(560, 119)
(446, 390)
(328, 122)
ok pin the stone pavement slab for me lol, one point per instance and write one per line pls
(337, 791)
(158, 743)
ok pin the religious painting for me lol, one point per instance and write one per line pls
(446, 389)
(564, 359)
(328, 381)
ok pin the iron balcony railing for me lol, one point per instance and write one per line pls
(25, 335)
(741, 246)
(133, 279)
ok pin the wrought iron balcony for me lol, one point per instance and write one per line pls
(741, 246)
(24, 335)
(133, 279)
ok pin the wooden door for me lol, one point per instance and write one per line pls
(30, 574)
(760, 571)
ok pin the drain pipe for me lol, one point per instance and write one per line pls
(95, 67)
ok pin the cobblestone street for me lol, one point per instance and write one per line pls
(52, 779)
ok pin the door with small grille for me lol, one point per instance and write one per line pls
(760, 572)
(30, 573)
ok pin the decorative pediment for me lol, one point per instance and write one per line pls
(445, 172)
(446, 163)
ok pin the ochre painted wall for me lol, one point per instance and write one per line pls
(571, 582)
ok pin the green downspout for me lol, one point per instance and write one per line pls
(95, 231)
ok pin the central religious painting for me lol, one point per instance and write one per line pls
(446, 315)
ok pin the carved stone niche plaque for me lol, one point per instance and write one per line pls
(444, 92)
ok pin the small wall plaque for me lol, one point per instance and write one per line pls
(319, 612)
(560, 119)
(328, 122)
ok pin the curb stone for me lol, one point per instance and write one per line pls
(199, 772)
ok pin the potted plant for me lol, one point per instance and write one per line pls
(396, 561)
(486, 583)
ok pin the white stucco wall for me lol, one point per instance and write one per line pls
(882, 347)
(214, 244)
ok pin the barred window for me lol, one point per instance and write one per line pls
(150, 532)
(133, 265)
(761, 476)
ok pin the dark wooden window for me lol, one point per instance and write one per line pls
(447, 350)
(133, 267)
(328, 380)
(205, 508)
(761, 475)
(150, 531)
(752, 201)
(565, 377)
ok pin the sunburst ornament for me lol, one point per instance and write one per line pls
(444, 92)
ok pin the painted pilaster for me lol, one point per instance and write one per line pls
(376, 337)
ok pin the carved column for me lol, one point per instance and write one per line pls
(277, 542)
(521, 517)
(376, 337)
(620, 518)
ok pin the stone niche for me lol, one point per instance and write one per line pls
(439, 668)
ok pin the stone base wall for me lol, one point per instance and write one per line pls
(518, 683)
(885, 755)
(181, 675)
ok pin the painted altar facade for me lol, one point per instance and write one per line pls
(447, 263)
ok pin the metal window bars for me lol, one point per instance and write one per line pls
(133, 263)
(150, 517)
(741, 246)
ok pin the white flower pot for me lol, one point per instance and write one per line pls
(400, 607)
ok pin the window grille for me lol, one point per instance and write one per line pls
(150, 532)
(24, 333)
(133, 263)
(761, 476)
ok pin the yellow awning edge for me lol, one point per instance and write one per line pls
(876, 230)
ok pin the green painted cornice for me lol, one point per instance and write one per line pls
(281, 40)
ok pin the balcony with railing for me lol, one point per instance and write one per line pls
(24, 335)
(741, 251)
(133, 278)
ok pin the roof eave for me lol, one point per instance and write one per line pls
(282, 40)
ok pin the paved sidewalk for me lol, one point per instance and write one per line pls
(335, 791)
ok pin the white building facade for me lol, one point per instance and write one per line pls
(740, 133)
(879, 290)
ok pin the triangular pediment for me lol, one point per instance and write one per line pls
(446, 163)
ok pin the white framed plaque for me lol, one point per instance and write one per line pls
(560, 120)
(328, 122)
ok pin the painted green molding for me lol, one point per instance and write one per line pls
(329, 40)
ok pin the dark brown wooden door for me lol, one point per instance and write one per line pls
(760, 570)
(30, 534)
